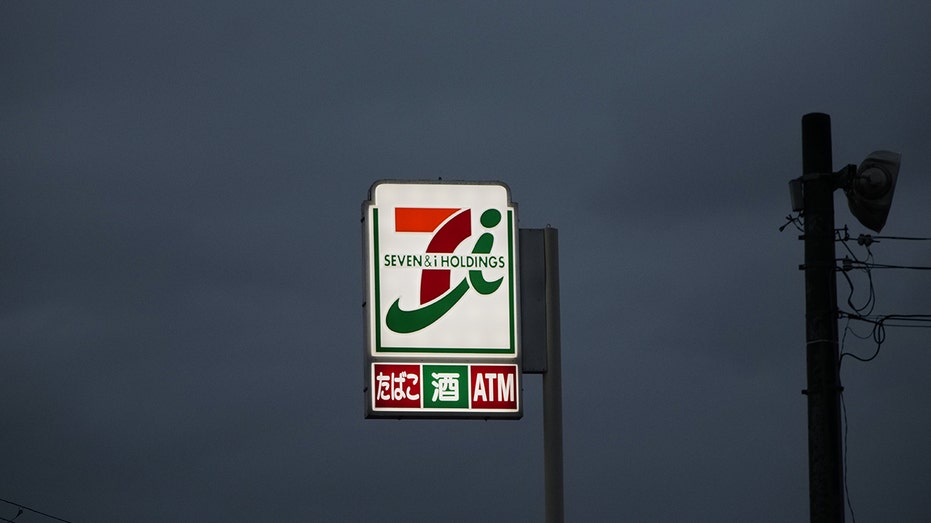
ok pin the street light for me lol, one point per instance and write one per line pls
(869, 190)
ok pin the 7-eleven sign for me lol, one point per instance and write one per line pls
(441, 270)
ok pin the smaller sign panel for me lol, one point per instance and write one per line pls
(444, 390)
(397, 386)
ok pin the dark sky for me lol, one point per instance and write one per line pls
(181, 332)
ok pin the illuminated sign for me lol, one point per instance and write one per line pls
(444, 388)
(441, 285)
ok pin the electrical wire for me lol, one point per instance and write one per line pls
(885, 266)
(847, 265)
(911, 238)
(906, 326)
(864, 313)
(869, 239)
(867, 307)
(843, 406)
(793, 220)
(878, 319)
(878, 332)
(39, 512)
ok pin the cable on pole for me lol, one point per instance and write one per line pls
(34, 511)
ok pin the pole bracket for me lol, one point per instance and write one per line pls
(807, 392)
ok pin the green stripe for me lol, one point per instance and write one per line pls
(446, 350)
(377, 280)
(405, 322)
(513, 277)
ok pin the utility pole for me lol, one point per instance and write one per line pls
(825, 461)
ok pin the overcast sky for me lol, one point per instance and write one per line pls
(181, 331)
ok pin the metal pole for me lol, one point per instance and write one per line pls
(552, 385)
(825, 461)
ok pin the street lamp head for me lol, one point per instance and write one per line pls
(869, 191)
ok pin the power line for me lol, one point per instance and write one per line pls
(843, 406)
(868, 237)
(848, 265)
(878, 332)
(907, 326)
(885, 266)
(882, 319)
(866, 309)
(39, 512)
(864, 313)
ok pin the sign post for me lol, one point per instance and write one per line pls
(552, 384)
(442, 298)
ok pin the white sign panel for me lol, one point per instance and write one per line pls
(442, 270)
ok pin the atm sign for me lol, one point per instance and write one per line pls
(444, 388)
